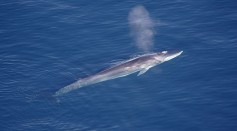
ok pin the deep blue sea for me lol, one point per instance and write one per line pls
(48, 44)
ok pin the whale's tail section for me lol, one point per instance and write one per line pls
(68, 88)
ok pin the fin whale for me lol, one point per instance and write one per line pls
(139, 64)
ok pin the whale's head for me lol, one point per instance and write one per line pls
(167, 55)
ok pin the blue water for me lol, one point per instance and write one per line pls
(46, 45)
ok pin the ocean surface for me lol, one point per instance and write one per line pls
(48, 44)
